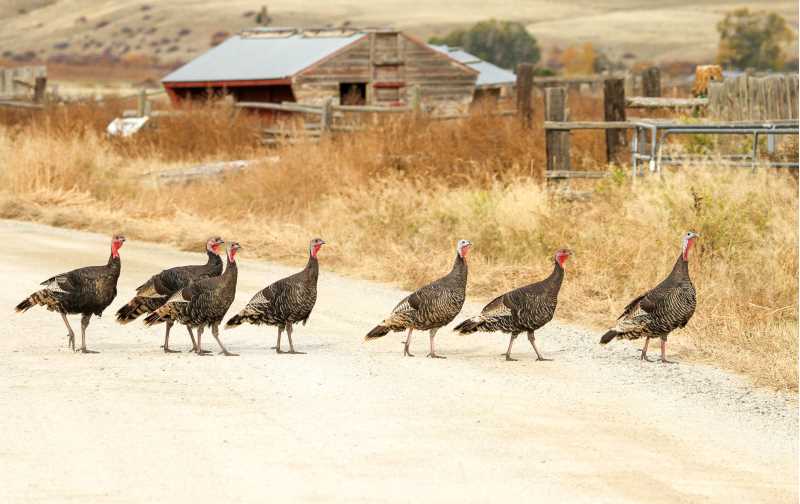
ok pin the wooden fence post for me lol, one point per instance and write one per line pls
(651, 82)
(39, 89)
(326, 119)
(141, 103)
(525, 94)
(614, 110)
(556, 141)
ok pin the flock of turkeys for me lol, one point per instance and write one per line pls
(199, 296)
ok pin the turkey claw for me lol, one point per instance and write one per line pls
(509, 358)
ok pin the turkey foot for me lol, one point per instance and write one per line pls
(543, 359)
(293, 351)
(509, 358)
(169, 350)
(646, 358)
(665, 361)
(228, 354)
(436, 356)
(86, 350)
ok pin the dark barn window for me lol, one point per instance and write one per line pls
(353, 93)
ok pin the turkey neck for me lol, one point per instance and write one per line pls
(312, 269)
(556, 277)
(681, 269)
(231, 273)
(114, 263)
(214, 260)
(459, 271)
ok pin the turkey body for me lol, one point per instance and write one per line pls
(283, 303)
(203, 303)
(87, 291)
(429, 308)
(525, 309)
(152, 294)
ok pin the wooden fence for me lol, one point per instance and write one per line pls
(747, 98)
(20, 82)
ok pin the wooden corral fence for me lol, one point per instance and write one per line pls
(23, 86)
(747, 98)
(764, 99)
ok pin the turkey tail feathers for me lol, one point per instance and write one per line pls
(377, 332)
(468, 326)
(608, 336)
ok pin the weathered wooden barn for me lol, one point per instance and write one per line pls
(380, 67)
(493, 81)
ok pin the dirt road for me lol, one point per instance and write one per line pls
(356, 422)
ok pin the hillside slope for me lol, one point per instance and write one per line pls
(177, 30)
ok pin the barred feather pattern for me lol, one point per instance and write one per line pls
(524, 309)
(656, 313)
(203, 302)
(287, 301)
(152, 294)
(430, 307)
(87, 290)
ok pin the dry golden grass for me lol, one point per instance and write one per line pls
(409, 190)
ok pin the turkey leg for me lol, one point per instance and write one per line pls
(289, 334)
(165, 346)
(433, 354)
(84, 324)
(277, 346)
(644, 351)
(664, 352)
(194, 344)
(199, 349)
(508, 352)
(215, 332)
(70, 334)
(532, 339)
(407, 343)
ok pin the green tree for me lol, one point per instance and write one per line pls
(753, 40)
(504, 43)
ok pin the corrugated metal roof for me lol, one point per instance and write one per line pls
(490, 75)
(260, 58)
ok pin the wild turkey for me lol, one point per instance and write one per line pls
(285, 302)
(86, 291)
(430, 307)
(522, 310)
(152, 294)
(202, 303)
(658, 312)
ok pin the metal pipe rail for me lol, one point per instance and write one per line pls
(656, 159)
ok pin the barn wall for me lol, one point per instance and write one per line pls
(321, 81)
(391, 64)
(446, 86)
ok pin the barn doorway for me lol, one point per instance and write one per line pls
(353, 93)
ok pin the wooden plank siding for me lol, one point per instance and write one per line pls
(390, 64)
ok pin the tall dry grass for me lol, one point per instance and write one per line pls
(408, 190)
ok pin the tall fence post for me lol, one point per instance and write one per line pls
(326, 119)
(556, 141)
(525, 94)
(141, 103)
(651, 82)
(40, 84)
(614, 110)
